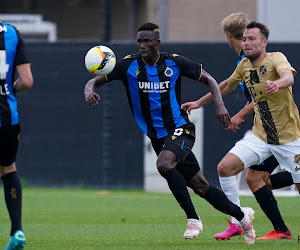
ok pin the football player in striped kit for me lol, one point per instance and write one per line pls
(152, 80)
(12, 58)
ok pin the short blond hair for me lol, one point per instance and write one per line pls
(235, 23)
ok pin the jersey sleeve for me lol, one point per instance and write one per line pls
(280, 62)
(237, 75)
(21, 57)
(188, 67)
(119, 71)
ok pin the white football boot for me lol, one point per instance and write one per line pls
(247, 226)
(194, 229)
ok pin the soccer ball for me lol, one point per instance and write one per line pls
(100, 60)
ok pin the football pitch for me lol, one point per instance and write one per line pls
(92, 219)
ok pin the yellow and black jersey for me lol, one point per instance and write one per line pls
(276, 118)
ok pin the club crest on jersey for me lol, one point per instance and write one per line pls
(168, 72)
(262, 69)
(297, 159)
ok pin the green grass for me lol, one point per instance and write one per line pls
(88, 219)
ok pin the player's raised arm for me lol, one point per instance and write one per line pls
(286, 80)
(91, 96)
(221, 111)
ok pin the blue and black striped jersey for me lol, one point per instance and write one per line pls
(154, 92)
(12, 54)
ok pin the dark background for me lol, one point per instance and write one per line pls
(65, 142)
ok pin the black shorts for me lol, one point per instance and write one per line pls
(9, 141)
(267, 165)
(180, 142)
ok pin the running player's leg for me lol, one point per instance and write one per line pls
(245, 153)
(256, 179)
(166, 163)
(279, 180)
(273, 181)
(218, 199)
(214, 196)
(13, 195)
(229, 186)
(11, 182)
(174, 149)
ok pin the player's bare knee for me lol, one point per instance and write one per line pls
(163, 165)
(223, 169)
(8, 169)
(254, 177)
(250, 178)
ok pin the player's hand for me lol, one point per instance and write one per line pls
(223, 115)
(235, 122)
(90, 95)
(272, 87)
(189, 106)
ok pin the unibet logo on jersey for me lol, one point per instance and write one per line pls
(154, 87)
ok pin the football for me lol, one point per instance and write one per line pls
(100, 60)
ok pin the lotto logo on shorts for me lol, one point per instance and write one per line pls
(177, 132)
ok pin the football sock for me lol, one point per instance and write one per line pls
(230, 188)
(219, 201)
(268, 204)
(13, 199)
(178, 187)
(281, 179)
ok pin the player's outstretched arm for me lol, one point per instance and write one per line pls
(221, 111)
(90, 95)
(189, 106)
(286, 80)
(224, 88)
(241, 116)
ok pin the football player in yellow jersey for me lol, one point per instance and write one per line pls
(258, 177)
(276, 131)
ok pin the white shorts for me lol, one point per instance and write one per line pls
(252, 151)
